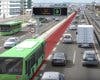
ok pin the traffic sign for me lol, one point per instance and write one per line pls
(56, 11)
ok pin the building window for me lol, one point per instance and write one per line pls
(15, 5)
(12, 1)
(14, 11)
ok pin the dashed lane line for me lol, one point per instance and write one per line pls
(43, 67)
(49, 57)
(74, 57)
(97, 52)
(58, 43)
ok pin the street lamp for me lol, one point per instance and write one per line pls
(93, 8)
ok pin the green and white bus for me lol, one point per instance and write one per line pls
(22, 61)
(10, 27)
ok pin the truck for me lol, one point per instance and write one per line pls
(85, 35)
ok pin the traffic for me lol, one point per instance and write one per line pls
(82, 62)
(61, 49)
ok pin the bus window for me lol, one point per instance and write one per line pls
(11, 66)
(4, 28)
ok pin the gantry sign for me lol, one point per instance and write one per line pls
(56, 11)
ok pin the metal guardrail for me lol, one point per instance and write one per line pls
(97, 38)
(95, 32)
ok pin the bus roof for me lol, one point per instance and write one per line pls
(23, 49)
(11, 22)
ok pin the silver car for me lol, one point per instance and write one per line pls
(59, 59)
(72, 27)
(90, 58)
(10, 42)
(51, 75)
(67, 38)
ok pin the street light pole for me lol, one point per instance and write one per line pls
(93, 4)
(22, 8)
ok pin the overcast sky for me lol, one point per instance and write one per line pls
(60, 1)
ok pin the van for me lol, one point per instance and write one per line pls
(85, 36)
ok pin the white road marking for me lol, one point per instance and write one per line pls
(61, 38)
(54, 49)
(58, 43)
(98, 57)
(43, 67)
(74, 56)
(49, 57)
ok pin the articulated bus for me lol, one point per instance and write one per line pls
(22, 61)
(10, 27)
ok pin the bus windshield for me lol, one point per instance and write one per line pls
(11, 66)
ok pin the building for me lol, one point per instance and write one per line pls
(10, 8)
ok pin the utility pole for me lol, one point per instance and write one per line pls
(93, 4)
(22, 10)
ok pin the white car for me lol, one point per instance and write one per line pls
(90, 58)
(67, 38)
(72, 27)
(10, 42)
(56, 19)
(52, 75)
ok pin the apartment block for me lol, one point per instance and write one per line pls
(10, 8)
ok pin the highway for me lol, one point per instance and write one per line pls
(74, 69)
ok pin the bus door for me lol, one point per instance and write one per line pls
(28, 69)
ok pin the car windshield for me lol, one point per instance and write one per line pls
(11, 40)
(90, 56)
(11, 66)
(59, 56)
(67, 37)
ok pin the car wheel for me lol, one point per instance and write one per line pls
(83, 64)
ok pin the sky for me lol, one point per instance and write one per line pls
(61, 1)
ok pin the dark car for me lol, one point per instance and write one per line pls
(59, 59)
(90, 58)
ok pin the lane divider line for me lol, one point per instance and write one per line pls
(43, 67)
(49, 57)
(98, 56)
(58, 43)
(74, 57)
